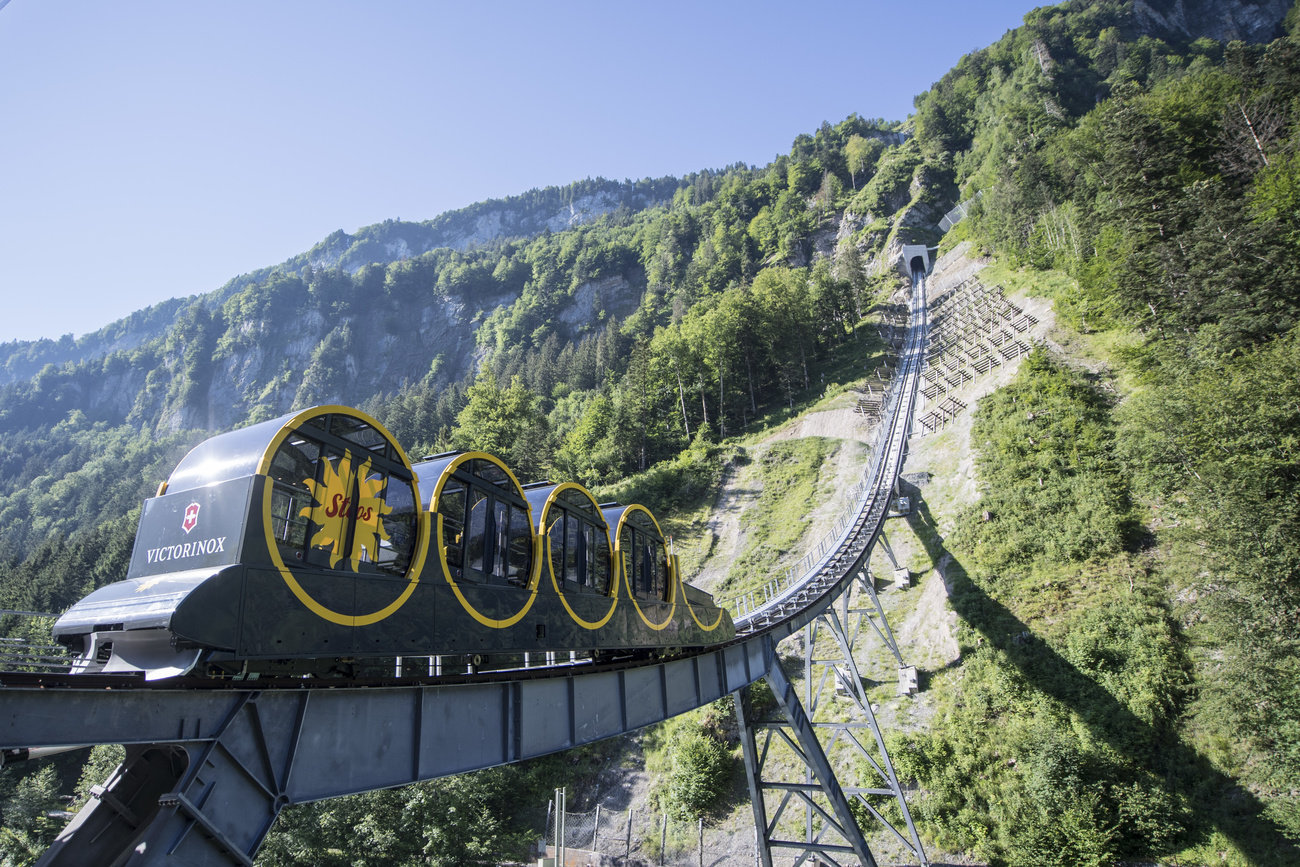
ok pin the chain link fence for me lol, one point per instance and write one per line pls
(642, 838)
(957, 214)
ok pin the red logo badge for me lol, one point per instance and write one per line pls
(191, 517)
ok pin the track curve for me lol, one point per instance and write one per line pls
(800, 602)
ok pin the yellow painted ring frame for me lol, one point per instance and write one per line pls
(422, 522)
(691, 608)
(672, 582)
(533, 580)
(545, 539)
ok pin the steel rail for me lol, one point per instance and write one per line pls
(801, 601)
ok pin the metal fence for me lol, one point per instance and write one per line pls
(957, 214)
(643, 838)
(861, 494)
(29, 646)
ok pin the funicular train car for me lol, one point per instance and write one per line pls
(311, 545)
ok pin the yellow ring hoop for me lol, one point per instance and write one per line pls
(672, 584)
(422, 523)
(546, 541)
(506, 622)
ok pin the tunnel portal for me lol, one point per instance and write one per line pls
(912, 257)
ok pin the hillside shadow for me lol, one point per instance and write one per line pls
(1232, 810)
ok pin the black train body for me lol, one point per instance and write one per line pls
(310, 544)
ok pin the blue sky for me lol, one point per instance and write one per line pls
(157, 149)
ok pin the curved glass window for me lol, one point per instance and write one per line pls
(644, 559)
(341, 501)
(486, 531)
(579, 544)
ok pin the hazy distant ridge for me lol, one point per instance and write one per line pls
(487, 222)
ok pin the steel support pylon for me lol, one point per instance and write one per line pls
(850, 737)
(830, 829)
(874, 616)
(884, 540)
(201, 802)
(788, 724)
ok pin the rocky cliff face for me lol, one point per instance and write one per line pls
(552, 209)
(395, 240)
(265, 366)
(1221, 20)
(315, 359)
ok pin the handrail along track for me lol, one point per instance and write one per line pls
(802, 600)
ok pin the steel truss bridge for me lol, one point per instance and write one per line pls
(209, 766)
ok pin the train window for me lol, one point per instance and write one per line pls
(291, 467)
(645, 576)
(574, 500)
(587, 546)
(501, 534)
(571, 553)
(478, 514)
(490, 472)
(645, 565)
(600, 560)
(486, 532)
(397, 541)
(452, 508)
(579, 552)
(661, 571)
(520, 556)
(579, 543)
(654, 568)
(334, 509)
(626, 547)
(555, 540)
(295, 462)
(357, 431)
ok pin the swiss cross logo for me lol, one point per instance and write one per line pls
(191, 517)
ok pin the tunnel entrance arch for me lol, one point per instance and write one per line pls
(912, 256)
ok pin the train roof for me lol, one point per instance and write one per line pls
(249, 450)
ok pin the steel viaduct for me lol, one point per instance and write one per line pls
(209, 767)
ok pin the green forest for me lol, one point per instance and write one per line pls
(1128, 586)
(1140, 526)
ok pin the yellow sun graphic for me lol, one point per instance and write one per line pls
(341, 497)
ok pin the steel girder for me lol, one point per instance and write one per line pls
(207, 771)
(839, 834)
(843, 669)
(867, 585)
(830, 829)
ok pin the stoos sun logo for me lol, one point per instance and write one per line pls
(191, 517)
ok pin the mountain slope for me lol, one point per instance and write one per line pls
(551, 209)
